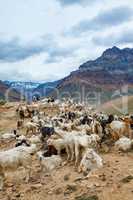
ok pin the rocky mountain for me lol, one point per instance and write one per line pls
(112, 60)
(8, 93)
(20, 85)
(107, 77)
(45, 89)
(25, 88)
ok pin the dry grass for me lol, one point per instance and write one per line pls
(118, 106)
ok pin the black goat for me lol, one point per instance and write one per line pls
(46, 131)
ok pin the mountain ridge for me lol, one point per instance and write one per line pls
(109, 72)
(112, 59)
(7, 93)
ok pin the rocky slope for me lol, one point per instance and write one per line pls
(7, 93)
(119, 106)
(113, 60)
(45, 89)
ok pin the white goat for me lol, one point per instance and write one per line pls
(119, 129)
(48, 164)
(90, 162)
(74, 140)
(35, 139)
(7, 136)
(68, 142)
(85, 141)
(58, 144)
(124, 144)
(31, 126)
(12, 159)
(35, 119)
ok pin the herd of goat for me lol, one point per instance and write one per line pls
(75, 133)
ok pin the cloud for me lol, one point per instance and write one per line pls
(125, 38)
(96, 23)
(15, 74)
(115, 38)
(57, 54)
(73, 2)
(106, 19)
(13, 50)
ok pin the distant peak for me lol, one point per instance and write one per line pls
(110, 51)
(115, 48)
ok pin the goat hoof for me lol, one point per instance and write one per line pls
(64, 163)
(79, 170)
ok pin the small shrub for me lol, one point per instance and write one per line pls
(94, 197)
(127, 179)
(2, 102)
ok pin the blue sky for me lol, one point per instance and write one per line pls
(44, 40)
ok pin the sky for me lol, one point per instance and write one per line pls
(45, 40)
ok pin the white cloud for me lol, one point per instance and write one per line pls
(30, 21)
